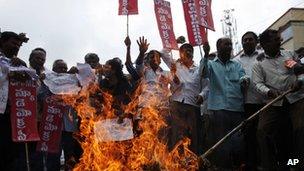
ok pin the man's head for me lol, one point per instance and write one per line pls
(37, 58)
(59, 66)
(270, 41)
(153, 59)
(186, 53)
(10, 43)
(249, 42)
(92, 59)
(224, 48)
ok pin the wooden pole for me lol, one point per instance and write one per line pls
(127, 24)
(203, 158)
(27, 157)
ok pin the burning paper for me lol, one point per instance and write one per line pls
(110, 130)
(85, 74)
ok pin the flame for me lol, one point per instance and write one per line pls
(146, 151)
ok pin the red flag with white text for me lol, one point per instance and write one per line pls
(165, 23)
(203, 7)
(197, 35)
(23, 103)
(51, 125)
(128, 7)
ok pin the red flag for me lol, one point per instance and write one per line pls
(23, 111)
(165, 24)
(128, 7)
(197, 34)
(51, 125)
(203, 7)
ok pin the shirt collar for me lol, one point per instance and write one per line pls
(277, 55)
(218, 60)
(254, 53)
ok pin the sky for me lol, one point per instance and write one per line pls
(69, 29)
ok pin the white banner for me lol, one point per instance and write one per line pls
(62, 83)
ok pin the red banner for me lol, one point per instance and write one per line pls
(23, 111)
(197, 34)
(204, 13)
(51, 125)
(165, 24)
(128, 7)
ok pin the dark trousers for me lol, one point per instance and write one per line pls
(8, 149)
(229, 154)
(297, 117)
(251, 143)
(274, 137)
(185, 122)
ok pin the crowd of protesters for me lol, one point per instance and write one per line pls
(204, 101)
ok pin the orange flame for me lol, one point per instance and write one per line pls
(147, 151)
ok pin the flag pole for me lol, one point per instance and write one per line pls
(127, 24)
(27, 157)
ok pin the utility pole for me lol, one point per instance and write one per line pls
(229, 28)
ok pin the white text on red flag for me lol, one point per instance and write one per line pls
(165, 23)
(203, 7)
(128, 7)
(51, 125)
(196, 33)
(23, 111)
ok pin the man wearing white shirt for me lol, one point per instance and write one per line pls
(10, 44)
(253, 100)
(186, 98)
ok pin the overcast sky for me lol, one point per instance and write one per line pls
(68, 29)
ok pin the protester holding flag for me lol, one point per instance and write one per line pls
(10, 44)
(188, 90)
(225, 102)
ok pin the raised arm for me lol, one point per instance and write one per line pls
(143, 47)
(203, 67)
(129, 65)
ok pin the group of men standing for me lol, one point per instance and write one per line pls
(232, 89)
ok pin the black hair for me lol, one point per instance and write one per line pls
(266, 35)
(117, 66)
(185, 46)
(57, 61)
(7, 35)
(39, 49)
(152, 52)
(36, 49)
(91, 55)
(256, 38)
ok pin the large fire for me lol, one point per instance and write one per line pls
(146, 151)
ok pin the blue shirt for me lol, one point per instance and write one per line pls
(225, 88)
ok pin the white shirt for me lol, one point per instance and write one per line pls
(155, 90)
(191, 82)
(271, 73)
(247, 62)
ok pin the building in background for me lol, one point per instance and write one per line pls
(291, 27)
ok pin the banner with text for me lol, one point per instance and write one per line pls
(23, 111)
(197, 35)
(128, 7)
(203, 7)
(51, 125)
(165, 23)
